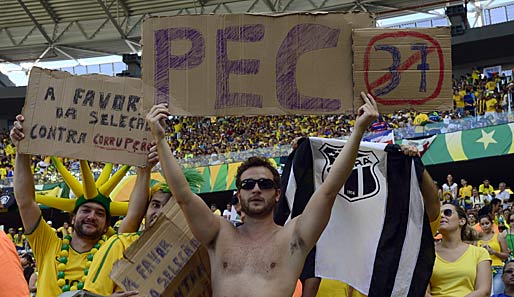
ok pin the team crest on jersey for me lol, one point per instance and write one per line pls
(363, 181)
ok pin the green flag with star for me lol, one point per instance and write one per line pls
(471, 144)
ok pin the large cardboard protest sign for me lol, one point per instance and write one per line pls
(93, 117)
(404, 68)
(242, 64)
(166, 260)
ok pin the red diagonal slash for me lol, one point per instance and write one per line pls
(404, 66)
(435, 46)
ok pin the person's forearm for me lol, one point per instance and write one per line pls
(23, 181)
(173, 173)
(343, 164)
(138, 202)
(501, 255)
(430, 196)
(478, 293)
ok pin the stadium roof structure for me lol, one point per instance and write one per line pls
(51, 30)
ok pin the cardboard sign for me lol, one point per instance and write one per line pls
(166, 260)
(240, 64)
(93, 117)
(404, 68)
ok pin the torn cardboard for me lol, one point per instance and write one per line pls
(166, 260)
(404, 68)
(92, 117)
(240, 64)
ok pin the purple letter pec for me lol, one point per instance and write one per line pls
(302, 38)
(164, 60)
(224, 66)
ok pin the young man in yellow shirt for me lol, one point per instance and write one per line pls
(63, 263)
(98, 280)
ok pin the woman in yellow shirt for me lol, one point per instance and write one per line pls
(497, 247)
(460, 269)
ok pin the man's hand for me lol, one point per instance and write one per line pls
(17, 131)
(156, 118)
(410, 150)
(125, 294)
(367, 113)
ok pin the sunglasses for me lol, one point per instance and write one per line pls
(509, 271)
(264, 183)
(510, 221)
(448, 212)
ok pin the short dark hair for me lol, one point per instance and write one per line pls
(508, 261)
(485, 216)
(257, 162)
(495, 201)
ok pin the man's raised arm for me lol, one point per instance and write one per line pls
(311, 223)
(203, 223)
(24, 181)
(139, 199)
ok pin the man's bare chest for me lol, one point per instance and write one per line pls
(265, 259)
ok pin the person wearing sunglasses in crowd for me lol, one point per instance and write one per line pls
(263, 258)
(508, 280)
(460, 269)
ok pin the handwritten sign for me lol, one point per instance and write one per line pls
(241, 64)
(404, 68)
(93, 117)
(166, 260)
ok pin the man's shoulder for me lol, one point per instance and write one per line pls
(122, 239)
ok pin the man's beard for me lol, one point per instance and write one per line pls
(261, 212)
(79, 229)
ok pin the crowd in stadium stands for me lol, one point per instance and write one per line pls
(478, 102)
(487, 211)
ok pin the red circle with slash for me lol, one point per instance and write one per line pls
(386, 77)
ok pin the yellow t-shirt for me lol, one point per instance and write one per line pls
(465, 191)
(47, 247)
(475, 75)
(485, 190)
(65, 231)
(334, 288)
(420, 119)
(459, 100)
(495, 245)
(490, 85)
(19, 240)
(457, 279)
(98, 280)
(490, 105)
(10, 237)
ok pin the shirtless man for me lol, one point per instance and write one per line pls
(259, 258)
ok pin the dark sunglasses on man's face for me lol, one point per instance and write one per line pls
(509, 271)
(264, 183)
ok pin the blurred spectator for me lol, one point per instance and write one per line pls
(27, 264)
(12, 282)
(450, 186)
(215, 210)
